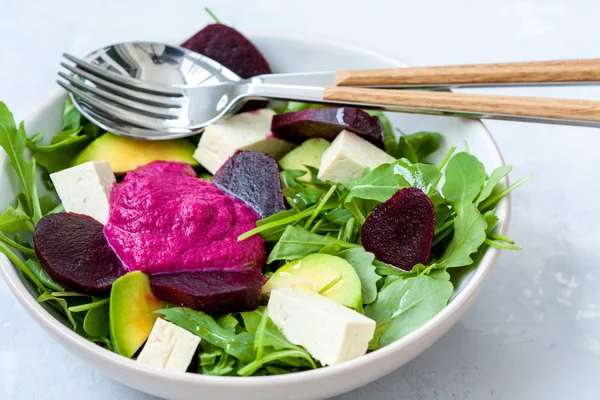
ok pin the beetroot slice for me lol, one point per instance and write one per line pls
(212, 292)
(73, 250)
(253, 178)
(327, 123)
(229, 47)
(400, 231)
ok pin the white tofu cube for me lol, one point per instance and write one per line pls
(247, 131)
(348, 156)
(169, 347)
(330, 332)
(85, 189)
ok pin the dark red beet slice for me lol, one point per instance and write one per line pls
(75, 253)
(212, 292)
(230, 48)
(253, 178)
(327, 123)
(400, 231)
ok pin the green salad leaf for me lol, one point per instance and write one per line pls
(465, 176)
(237, 345)
(15, 219)
(362, 261)
(13, 141)
(228, 348)
(406, 304)
(297, 242)
(76, 134)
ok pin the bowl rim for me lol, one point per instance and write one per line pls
(90, 349)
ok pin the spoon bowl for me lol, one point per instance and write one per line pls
(165, 67)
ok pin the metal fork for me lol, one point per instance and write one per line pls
(208, 91)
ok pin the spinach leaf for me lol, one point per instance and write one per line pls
(362, 261)
(240, 346)
(297, 242)
(465, 176)
(406, 304)
(13, 141)
(469, 233)
(491, 182)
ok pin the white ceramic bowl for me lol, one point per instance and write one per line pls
(285, 54)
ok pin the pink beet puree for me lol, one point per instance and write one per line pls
(164, 219)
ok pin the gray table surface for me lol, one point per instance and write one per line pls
(533, 333)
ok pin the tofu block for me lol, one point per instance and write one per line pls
(169, 347)
(330, 332)
(85, 189)
(348, 156)
(247, 131)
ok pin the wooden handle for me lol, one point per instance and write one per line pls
(524, 72)
(553, 109)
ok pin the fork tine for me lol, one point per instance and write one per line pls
(136, 95)
(133, 106)
(127, 81)
(120, 113)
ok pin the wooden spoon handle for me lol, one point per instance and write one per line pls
(571, 112)
(509, 74)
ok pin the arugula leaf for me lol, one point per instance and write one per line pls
(423, 176)
(35, 268)
(240, 346)
(406, 304)
(15, 219)
(59, 303)
(71, 118)
(338, 216)
(96, 322)
(491, 220)
(13, 141)
(297, 194)
(465, 176)
(391, 144)
(422, 144)
(76, 134)
(294, 106)
(297, 242)
(362, 261)
(469, 233)
(378, 184)
(215, 361)
(266, 332)
(491, 182)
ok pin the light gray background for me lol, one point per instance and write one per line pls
(533, 333)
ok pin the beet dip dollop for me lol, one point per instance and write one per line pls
(164, 219)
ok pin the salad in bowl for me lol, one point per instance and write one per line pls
(286, 238)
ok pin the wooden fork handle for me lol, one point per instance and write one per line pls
(572, 112)
(526, 73)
